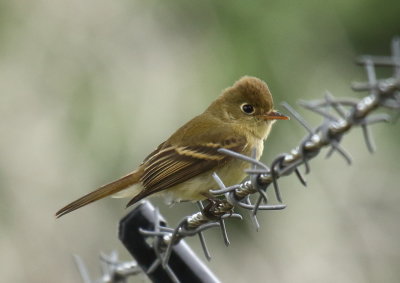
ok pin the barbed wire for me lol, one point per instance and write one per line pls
(113, 270)
(340, 116)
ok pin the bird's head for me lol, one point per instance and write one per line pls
(247, 102)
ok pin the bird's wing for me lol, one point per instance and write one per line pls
(173, 164)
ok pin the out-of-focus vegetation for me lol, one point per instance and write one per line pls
(88, 88)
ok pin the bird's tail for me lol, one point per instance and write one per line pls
(102, 192)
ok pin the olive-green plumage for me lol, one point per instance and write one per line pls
(240, 119)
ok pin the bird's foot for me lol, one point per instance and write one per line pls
(216, 208)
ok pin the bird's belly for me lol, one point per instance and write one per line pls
(197, 188)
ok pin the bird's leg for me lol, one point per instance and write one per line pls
(216, 207)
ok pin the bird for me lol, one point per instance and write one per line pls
(181, 168)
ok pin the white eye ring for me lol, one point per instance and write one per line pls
(247, 108)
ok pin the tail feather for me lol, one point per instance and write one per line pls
(101, 192)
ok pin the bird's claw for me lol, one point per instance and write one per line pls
(216, 208)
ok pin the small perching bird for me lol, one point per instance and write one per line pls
(181, 168)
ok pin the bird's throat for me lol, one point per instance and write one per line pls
(259, 130)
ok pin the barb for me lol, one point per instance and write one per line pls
(113, 270)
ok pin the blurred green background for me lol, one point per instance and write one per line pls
(88, 88)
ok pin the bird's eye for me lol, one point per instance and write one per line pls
(248, 108)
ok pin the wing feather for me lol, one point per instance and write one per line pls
(169, 166)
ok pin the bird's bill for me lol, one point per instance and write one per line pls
(274, 115)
